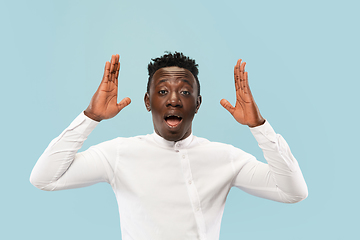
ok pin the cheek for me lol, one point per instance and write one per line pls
(191, 109)
(155, 103)
(156, 111)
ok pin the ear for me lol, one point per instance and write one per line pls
(198, 103)
(147, 102)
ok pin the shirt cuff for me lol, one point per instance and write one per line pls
(264, 133)
(83, 124)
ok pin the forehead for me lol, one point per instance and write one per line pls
(173, 72)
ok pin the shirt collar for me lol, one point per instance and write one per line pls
(166, 143)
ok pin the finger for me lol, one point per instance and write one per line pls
(242, 66)
(126, 101)
(246, 96)
(242, 76)
(237, 75)
(247, 88)
(106, 72)
(117, 69)
(113, 68)
(236, 78)
(116, 62)
(112, 61)
(225, 103)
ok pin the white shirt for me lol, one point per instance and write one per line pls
(170, 190)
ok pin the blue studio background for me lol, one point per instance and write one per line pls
(302, 58)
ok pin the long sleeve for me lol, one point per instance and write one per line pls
(279, 180)
(61, 167)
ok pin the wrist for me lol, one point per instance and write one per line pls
(258, 123)
(92, 116)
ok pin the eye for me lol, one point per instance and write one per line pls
(185, 92)
(162, 92)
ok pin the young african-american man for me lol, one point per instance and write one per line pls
(170, 184)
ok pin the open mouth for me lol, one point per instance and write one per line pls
(173, 120)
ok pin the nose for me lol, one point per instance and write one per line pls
(174, 100)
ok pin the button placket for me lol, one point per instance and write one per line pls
(176, 147)
(192, 192)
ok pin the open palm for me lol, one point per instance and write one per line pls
(104, 104)
(245, 111)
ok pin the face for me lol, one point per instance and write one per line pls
(173, 102)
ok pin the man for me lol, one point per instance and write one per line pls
(170, 184)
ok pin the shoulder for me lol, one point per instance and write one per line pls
(219, 148)
(123, 142)
(199, 141)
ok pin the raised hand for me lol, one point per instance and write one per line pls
(245, 111)
(103, 104)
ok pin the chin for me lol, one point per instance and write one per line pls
(173, 136)
(172, 133)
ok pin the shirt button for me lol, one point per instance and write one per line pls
(190, 182)
(197, 209)
(183, 156)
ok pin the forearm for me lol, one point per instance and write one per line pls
(60, 154)
(282, 167)
(280, 179)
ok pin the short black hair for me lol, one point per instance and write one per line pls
(173, 59)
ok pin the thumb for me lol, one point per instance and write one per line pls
(225, 103)
(126, 101)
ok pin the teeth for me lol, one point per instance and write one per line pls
(173, 116)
